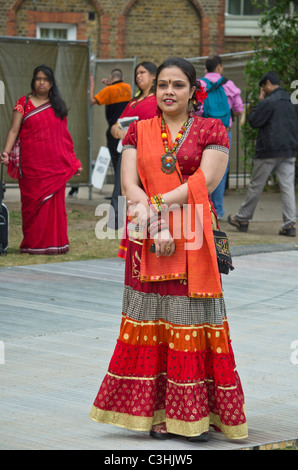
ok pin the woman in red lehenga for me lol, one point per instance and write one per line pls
(173, 370)
(46, 163)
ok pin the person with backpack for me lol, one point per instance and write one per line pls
(224, 102)
(276, 118)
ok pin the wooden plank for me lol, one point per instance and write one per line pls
(59, 324)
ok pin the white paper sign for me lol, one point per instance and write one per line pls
(124, 123)
(101, 167)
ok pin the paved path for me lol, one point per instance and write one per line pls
(59, 323)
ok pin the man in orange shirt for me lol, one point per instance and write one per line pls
(115, 97)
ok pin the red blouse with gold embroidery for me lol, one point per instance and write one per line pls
(201, 134)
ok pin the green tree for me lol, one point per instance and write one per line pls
(275, 50)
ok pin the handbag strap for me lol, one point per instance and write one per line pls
(25, 106)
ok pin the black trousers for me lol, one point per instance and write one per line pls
(116, 219)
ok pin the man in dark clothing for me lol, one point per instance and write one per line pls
(276, 117)
(115, 97)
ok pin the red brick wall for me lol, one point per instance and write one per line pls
(198, 25)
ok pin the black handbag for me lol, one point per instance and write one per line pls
(224, 258)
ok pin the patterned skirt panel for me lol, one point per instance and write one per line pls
(173, 362)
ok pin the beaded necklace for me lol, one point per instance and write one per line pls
(168, 160)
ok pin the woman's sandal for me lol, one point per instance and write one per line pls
(159, 431)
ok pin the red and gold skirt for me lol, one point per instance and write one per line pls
(173, 362)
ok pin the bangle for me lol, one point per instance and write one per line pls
(153, 218)
(156, 225)
(152, 204)
(158, 229)
(157, 203)
(161, 202)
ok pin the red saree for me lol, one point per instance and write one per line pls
(173, 361)
(47, 162)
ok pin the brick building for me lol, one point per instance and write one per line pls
(148, 29)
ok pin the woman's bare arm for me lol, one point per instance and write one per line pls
(213, 165)
(130, 181)
(12, 135)
(117, 132)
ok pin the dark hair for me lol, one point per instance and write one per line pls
(56, 101)
(117, 73)
(186, 67)
(151, 67)
(272, 77)
(212, 62)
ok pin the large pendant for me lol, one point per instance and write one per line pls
(168, 162)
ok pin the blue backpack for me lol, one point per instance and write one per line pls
(216, 105)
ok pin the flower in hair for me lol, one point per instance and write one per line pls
(201, 94)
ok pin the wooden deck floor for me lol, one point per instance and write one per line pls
(59, 323)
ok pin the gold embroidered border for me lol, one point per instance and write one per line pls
(163, 277)
(232, 432)
(173, 326)
(179, 384)
(205, 295)
(182, 428)
(186, 428)
(130, 377)
(135, 241)
(123, 420)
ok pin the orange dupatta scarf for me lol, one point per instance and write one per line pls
(197, 263)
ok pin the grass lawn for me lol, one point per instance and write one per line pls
(82, 239)
(84, 243)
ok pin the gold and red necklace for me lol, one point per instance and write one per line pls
(168, 160)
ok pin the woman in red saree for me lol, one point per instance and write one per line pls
(142, 106)
(46, 163)
(173, 370)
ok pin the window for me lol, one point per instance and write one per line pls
(47, 33)
(244, 7)
(59, 31)
(242, 17)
